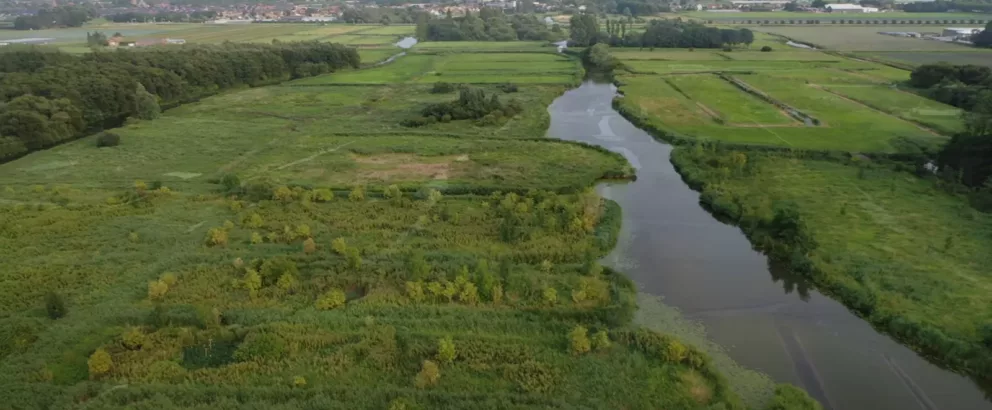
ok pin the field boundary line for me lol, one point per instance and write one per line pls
(315, 155)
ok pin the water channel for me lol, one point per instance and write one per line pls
(673, 248)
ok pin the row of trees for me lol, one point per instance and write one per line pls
(175, 17)
(585, 31)
(49, 97)
(967, 158)
(941, 6)
(490, 25)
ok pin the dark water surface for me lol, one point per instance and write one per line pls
(671, 247)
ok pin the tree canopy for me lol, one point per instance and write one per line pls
(48, 97)
(490, 25)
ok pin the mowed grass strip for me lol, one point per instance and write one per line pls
(732, 105)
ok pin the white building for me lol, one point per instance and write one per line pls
(850, 8)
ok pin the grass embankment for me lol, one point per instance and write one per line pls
(904, 255)
(294, 246)
(795, 99)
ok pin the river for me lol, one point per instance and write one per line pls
(673, 248)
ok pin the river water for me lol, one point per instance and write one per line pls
(765, 320)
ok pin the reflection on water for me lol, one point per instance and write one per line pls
(765, 317)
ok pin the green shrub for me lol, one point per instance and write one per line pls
(332, 299)
(339, 246)
(261, 346)
(531, 376)
(601, 340)
(445, 350)
(99, 363)
(766, 49)
(108, 139)
(441, 87)
(428, 376)
(166, 371)
(157, 289)
(133, 339)
(231, 183)
(578, 340)
(55, 305)
(789, 397)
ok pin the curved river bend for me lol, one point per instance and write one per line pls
(671, 247)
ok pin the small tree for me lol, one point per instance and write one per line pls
(253, 282)
(578, 340)
(357, 194)
(446, 350)
(550, 296)
(428, 376)
(354, 258)
(601, 340)
(334, 298)
(339, 246)
(55, 305)
(99, 363)
(145, 104)
(157, 289)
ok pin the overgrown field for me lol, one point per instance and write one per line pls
(798, 99)
(908, 257)
(295, 246)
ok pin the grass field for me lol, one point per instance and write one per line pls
(853, 101)
(906, 255)
(927, 112)
(524, 68)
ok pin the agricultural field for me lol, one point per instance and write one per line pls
(854, 38)
(524, 68)
(837, 103)
(294, 245)
(917, 58)
(904, 254)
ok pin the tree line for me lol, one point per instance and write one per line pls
(175, 17)
(63, 16)
(490, 25)
(586, 31)
(967, 158)
(48, 97)
(941, 6)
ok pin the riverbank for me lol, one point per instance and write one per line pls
(764, 316)
(880, 249)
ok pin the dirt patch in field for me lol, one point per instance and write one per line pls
(391, 167)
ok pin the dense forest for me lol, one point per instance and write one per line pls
(490, 25)
(586, 31)
(64, 16)
(967, 159)
(49, 97)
